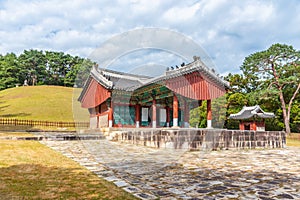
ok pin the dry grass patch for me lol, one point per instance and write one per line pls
(14, 134)
(29, 170)
(293, 139)
(12, 128)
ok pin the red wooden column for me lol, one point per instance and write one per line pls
(110, 114)
(209, 114)
(175, 110)
(186, 114)
(241, 125)
(168, 116)
(154, 113)
(137, 115)
(254, 127)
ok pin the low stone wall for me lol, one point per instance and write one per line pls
(201, 139)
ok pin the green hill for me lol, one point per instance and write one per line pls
(49, 103)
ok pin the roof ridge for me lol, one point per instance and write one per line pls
(251, 111)
(100, 78)
(107, 76)
(124, 73)
(195, 65)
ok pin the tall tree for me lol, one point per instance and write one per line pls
(275, 71)
(198, 116)
(78, 67)
(82, 71)
(9, 71)
(34, 64)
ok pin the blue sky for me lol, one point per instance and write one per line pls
(227, 30)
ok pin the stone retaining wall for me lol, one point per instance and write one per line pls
(201, 139)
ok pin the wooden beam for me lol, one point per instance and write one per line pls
(146, 100)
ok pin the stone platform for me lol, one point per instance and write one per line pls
(150, 173)
(199, 139)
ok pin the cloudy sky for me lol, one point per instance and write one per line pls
(227, 30)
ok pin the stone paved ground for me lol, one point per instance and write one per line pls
(151, 173)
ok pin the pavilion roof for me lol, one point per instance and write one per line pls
(129, 82)
(118, 80)
(196, 66)
(112, 80)
(194, 81)
(251, 111)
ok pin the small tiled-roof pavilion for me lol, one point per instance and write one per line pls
(252, 118)
(116, 99)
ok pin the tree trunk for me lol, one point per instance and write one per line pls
(286, 119)
(287, 125)
(291, 102)
(286, 115)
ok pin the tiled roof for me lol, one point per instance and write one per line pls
(85, 87)
(197, 65)
(129, 82)
(248, 112)
(118, 80)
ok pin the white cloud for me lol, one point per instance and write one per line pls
(228, 30)
(144, 6)
(252, 12)
(180, 14)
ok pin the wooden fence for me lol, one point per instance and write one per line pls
(32, 123)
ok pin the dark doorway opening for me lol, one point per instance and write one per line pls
(247, 127)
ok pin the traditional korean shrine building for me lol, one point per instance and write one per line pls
(252, 118)
(117, 99)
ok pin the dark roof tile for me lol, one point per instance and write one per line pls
(251, 111)
(129, 82)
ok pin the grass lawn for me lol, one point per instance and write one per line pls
(14, 134)
(12, 128)
(30, 170)
(293, 140)
(47, 103)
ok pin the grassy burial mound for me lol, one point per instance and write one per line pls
(46, 103)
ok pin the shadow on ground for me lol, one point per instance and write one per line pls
(15, 115)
